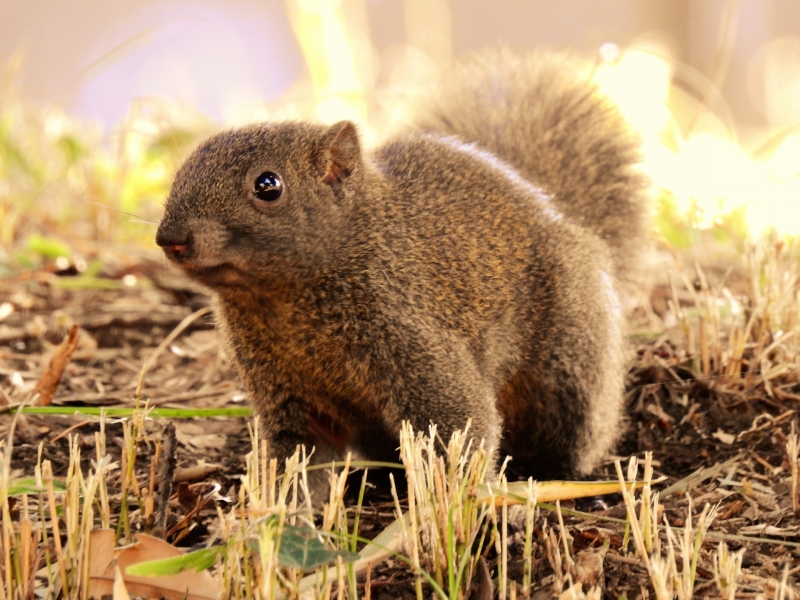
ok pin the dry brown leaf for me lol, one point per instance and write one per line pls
(484, 589)
(105, 560)
(51, 375)
(195, 473)
(588, 567)
(202, 441)
(120, 591)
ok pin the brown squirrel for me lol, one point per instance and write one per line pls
(467, 268)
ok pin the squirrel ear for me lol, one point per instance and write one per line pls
(342, 153)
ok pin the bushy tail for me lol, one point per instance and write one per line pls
(542, 113)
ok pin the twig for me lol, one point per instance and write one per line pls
(165, 344)
(166, 472)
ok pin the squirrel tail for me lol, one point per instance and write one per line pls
(542, 113)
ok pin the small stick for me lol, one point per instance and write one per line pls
(791, 450)
(165, 473)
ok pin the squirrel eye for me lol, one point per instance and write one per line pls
(268, 187)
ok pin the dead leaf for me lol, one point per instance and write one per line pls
(588, 567)
(105, 561)
(764, 529)
(48, 382)
(120, 591)
(725, 438)
(187, 497)
(699, 476)
(485, 586)
(203, 441)
(195, 473)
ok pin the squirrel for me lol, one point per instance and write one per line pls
(469, 268)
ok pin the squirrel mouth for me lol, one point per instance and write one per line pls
(222, 275)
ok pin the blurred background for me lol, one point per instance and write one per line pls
(101, 100)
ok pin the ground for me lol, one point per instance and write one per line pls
(689, 422)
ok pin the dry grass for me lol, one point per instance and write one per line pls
(47, 546)
(744, 339)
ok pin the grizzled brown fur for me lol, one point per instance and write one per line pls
(465, 269)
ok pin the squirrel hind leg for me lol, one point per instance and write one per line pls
(542, 424)
(374, 440)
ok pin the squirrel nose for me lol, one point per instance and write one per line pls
(176, 245)
(178, 252)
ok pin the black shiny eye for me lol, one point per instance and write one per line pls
(268, 187)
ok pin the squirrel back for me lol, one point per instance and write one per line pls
(543, 114)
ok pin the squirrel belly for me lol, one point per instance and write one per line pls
(434, 279)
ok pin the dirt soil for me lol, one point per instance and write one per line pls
(689, 423)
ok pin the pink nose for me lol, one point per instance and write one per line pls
(178, 252)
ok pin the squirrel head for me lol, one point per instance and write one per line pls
(263, 203)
